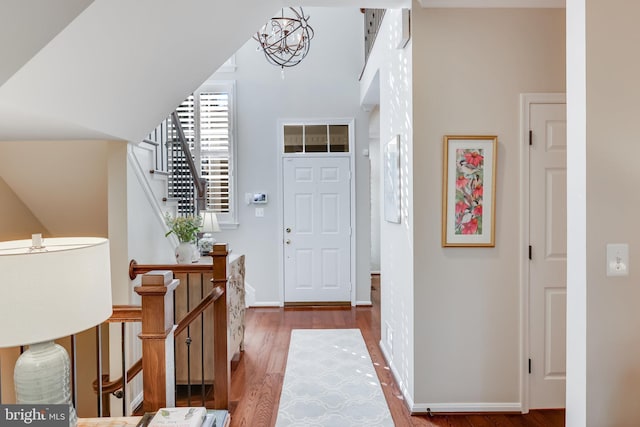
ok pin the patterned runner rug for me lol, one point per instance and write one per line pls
(330, 381)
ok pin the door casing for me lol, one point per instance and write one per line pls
(351, 154)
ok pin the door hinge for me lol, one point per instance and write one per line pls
(530, 137)
(529, 365)
(530, 252)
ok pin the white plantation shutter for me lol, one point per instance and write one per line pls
(207, 121)
(187, 114)
(215, 136)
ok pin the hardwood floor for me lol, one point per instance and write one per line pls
(256, 382)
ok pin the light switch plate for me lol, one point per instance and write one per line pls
(617, 259)
(259, 212)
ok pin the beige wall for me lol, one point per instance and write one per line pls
(16, 220)
(469, 68)
(63, 183)
(613, 111)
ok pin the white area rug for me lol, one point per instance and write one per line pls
(330, 381)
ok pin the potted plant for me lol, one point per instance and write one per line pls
(186, 229)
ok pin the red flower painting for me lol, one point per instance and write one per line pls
(469, 191)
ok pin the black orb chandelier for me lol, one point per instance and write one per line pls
(285, 39)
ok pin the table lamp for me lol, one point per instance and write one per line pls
(209, 225)
(210, 222)
(50, 289)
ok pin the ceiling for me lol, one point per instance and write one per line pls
(73, 69)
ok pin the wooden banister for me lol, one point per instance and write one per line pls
(159, 332)
(157, 337)
(221, 366)
(135, 268)
(197, 311)
(125, 313)
(111, 386)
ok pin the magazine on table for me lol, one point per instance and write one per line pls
(185, 417)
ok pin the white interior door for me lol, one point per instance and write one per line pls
(548, 265)
(317, 229)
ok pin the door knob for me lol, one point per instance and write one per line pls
(288, 242)
(288, 230)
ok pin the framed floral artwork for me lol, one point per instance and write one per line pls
(468, 191)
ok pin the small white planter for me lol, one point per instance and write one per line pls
(185, 252)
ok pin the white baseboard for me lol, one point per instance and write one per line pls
(434, 408)
(249, 295)
(250, 298)
(267, 304)
(364, 303)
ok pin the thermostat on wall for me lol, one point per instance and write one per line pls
(259, 198)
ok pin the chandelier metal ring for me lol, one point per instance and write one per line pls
(285, 39)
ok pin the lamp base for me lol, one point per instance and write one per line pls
(42, 376)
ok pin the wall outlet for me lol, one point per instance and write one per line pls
(617, 259)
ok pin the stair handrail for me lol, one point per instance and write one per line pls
(156, 300)
(199, 182)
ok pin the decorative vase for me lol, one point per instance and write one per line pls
(184, 253)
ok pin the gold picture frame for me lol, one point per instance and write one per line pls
(469, 190)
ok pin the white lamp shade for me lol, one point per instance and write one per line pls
(50, 294)
(210, 222)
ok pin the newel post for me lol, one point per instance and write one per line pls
(158, 373)
(221, 363)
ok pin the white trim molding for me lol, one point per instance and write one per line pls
(432, 408)
(281, 155)
(542, 4)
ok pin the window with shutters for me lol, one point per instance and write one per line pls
(207, 118)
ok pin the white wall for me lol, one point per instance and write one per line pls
(391, 68)
(375, 186)
(324, 85)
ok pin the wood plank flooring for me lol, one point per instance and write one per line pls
(256, 382)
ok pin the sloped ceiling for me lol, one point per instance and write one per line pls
(26, 26)
(119, 67)
(113, 69)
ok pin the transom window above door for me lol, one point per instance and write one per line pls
(316, 138)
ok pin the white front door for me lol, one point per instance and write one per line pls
(317, 229)
(548, 264)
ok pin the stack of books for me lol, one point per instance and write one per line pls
(186, 417)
